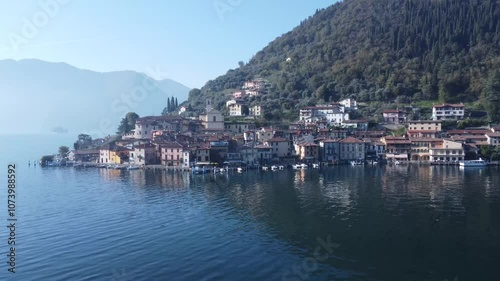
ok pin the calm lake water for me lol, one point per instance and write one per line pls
(338, 223)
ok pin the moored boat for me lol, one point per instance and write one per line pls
(473, 163)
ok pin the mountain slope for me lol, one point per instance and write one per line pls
(41, 96)
(376, 50)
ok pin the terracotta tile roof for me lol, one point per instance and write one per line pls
(171, 145)
(425, 140)
(277, 140)
(308, 144)
(351, 140)
(468, 132)
(263, 147)
(448, 105)
(424, 121)
(354, 121)
(493, 135)
(421, 131)
(85, 152)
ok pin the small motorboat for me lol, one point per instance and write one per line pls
(265, 168)
(240, 170)
(281, 167)
(316, 166)
(303, 166)
(356, 163)
(274, 168)
(296, 166)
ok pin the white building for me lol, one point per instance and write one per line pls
(493, 138)
(447, 151)
(333, 114)
(349, 104)
(213, 119)
(236, 109)
(256, 110)
(145, 126)
(448, 111)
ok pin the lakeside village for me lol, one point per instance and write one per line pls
(323, 135)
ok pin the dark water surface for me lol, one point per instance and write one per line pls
(338, 223)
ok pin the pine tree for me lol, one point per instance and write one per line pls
(492, 96)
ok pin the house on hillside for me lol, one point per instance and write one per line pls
(448, 111)
(394, 116)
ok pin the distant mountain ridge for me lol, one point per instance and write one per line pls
(42, 96)
(375, 50)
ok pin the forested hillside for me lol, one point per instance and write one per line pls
(376, 50)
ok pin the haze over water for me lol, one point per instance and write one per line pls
(387, 223)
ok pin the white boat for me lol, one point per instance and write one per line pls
(473, 163)
(274, 168)
(240, 170)
(281, 167)
(356, 163)
(265, 168)
(316, 166)
(297, 166)
(303, 166)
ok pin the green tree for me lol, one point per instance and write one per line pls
(84, 141)
(491, 96)
(63, 151)
(128, 123)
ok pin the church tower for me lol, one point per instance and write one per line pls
(208, 104)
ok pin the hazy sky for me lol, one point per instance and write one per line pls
(192, 41)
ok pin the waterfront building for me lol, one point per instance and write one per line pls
(144, 154)
(308, 151)
(263, 154)
(397, 148)
(329, 150)
(84, 155)
(352, 149)
(280, 147)
(171, 154)
(249, 155)
(448, 151)
(374, 149)
(420, 147)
